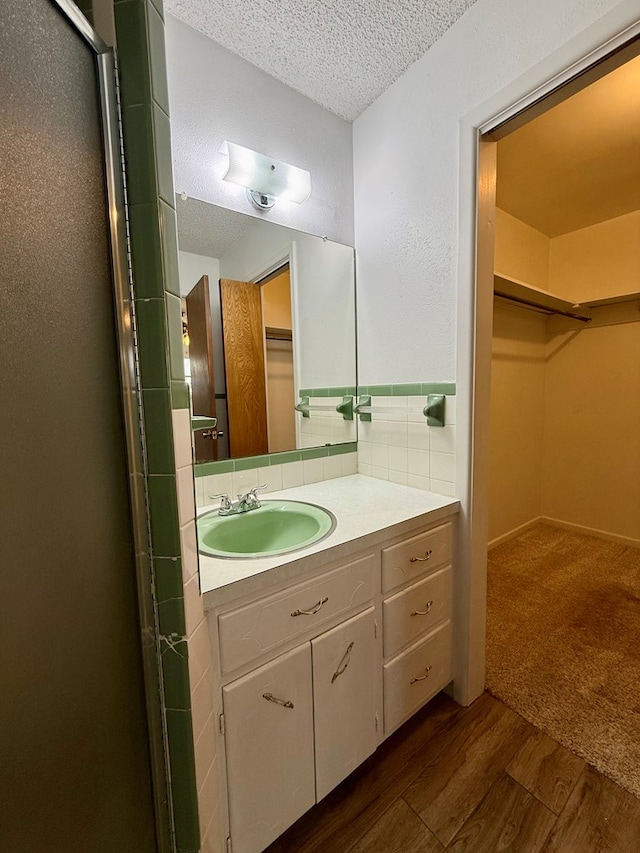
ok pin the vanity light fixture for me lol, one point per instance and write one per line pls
(265, 179)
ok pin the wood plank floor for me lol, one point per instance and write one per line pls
(470, 780)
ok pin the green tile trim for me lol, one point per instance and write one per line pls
(175, 669)
(314, 453)
(139, 154)
(163, 504)
(340, 449)
(133, 50)
(180, 398)
(152, 340)
(169, 589)
(146, 250)
(156, 403)
(408, 389)
(447, 388)
(157, 58)
(184, 792)
(204, 469)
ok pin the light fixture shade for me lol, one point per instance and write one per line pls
(264, 175)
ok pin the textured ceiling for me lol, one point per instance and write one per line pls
(340, 53)
(579, 163)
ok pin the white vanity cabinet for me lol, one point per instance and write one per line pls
(322, 665)
(298, 725)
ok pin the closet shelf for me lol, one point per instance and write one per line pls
(542, 300)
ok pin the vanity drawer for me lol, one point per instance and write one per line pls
(250, 631)
(416, 556)
(413, 677)
(415, 610)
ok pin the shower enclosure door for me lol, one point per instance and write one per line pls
(75, 752)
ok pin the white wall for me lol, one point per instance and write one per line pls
(406, 168)
(215, 95)
(517, 418)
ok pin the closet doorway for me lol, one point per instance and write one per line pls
(563, 604)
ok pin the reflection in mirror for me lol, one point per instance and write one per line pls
(269, 333)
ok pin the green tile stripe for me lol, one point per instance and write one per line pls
(204, 469)
(409, 389)
(336, 391)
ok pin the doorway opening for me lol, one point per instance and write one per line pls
(561, 181)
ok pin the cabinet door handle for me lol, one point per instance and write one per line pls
(421, 559)
(313, 610)
(271, 698)
(424, 612)
(421, 677)
(344, 663)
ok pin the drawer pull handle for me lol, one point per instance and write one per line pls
(271, 698)
(313, 610)
(421, 559)
(424, 612)
(421, 677)
(344, 663)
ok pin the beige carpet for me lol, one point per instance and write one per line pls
(563, 643)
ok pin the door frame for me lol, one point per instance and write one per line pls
(568, 65)
(131, 397)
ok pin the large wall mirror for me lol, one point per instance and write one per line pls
(269, 333)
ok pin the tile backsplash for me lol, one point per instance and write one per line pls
(401, 447)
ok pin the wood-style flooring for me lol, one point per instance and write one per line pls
(470, 780)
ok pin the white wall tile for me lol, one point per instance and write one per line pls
(440, 487)
(181, 419)
(418, 482)
(202, 702)
(398, 477)
(379, 431)
(292, 475)
(189, 550)
(199, 652)
(398, 433)
(380, 473)
(349, 463)
(242, 481)
(272, 476)
(216, 484)
(449, 409)
(186, 502)
(313, 470)
(332, 467)
(418, 435)
(193, 610)
(443, 466)
(205, 749)
(442, 439)
(418, 462)
(380, 455)
(364, 469)
(398, 459)
(364, 452)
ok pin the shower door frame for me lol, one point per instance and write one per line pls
(127, 347)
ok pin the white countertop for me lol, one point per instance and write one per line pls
(362, 506)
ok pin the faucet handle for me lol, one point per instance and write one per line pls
(225, 502)
(251, 496)
(258, 488)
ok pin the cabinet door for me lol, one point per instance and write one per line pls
(269, 748)
(346, 673)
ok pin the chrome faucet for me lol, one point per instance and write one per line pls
(245, 503)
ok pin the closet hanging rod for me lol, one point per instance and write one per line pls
(543, 309)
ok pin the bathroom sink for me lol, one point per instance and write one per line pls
(276, 527)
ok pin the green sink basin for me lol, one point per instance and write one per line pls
(277, 527)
